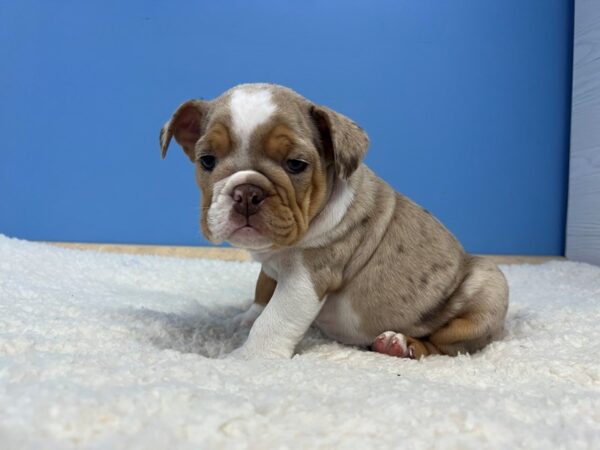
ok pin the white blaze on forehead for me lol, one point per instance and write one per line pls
(250, 108)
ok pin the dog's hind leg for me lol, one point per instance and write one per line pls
(483, 296)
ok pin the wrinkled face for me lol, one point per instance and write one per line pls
(264, 160)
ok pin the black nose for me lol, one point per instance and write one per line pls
(247, 199)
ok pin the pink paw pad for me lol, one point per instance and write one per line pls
(393, 344)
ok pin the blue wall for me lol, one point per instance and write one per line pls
(466, 103)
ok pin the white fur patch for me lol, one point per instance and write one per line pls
(330, 216)
(250, 107)
(219, 213)
(341, 322)
(287, 316)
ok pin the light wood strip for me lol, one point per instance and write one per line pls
(222, 253)
(523, 259)
(233, 254)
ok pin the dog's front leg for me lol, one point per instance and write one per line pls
(286, 318)
(265, 287)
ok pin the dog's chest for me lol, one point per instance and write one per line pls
(338, 320)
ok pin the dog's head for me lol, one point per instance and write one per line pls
(265, 159)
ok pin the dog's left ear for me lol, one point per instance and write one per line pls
(341, 138)
(187, 125)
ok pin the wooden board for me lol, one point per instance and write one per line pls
(583, 217)
(224, 254)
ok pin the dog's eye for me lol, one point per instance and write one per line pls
(295, 165)
(208, 162)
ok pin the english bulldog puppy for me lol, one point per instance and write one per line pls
(283, 177)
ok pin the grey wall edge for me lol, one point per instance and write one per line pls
(583, 212)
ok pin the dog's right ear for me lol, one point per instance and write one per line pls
(187, 125)
(344, 141)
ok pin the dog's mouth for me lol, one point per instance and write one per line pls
(245, 223)
(249, 237)
(246, 229)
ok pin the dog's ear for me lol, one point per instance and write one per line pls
(341, 138)
(187, 125)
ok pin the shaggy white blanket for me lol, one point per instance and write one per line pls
(120, 352)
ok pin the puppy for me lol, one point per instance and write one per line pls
(284, 178)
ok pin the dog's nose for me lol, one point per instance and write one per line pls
(247, 199)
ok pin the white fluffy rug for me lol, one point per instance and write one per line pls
(119, 352)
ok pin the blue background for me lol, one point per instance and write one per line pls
(466, 104)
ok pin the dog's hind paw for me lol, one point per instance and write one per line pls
(393, 344)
